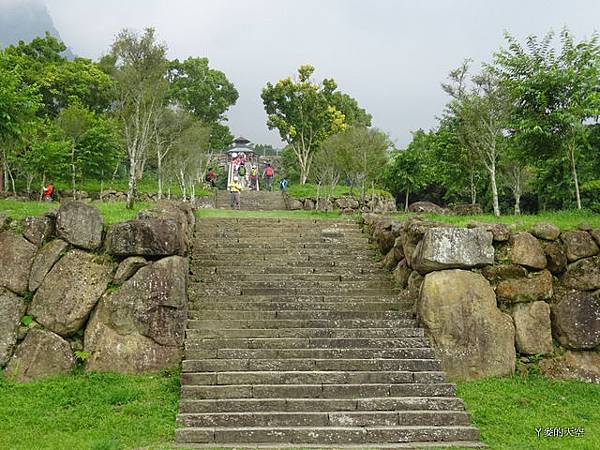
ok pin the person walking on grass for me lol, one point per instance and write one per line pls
(268, 177)
(234, 192)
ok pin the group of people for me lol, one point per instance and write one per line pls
(237, 184)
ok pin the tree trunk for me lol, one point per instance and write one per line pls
(473, 188)
(73, 185)
(406, 201)
(131, 185)
(2, 176)
(574, 172)
(517, 204)
(494, 189)
(160, 179)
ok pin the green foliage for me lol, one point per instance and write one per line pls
(136, 411)
(508, 410)
(26, 320)
(306, 113)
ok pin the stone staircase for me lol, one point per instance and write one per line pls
(252, 200)
(295, 338)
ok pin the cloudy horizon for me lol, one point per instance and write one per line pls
(389, 55)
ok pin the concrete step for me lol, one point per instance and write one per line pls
(213, 277)
(193, 352)
(195, 314)
(355, 243)
(300, 299)
(297, 284)
(233, 305)
(205, 289)
(330, 435)
(311, 377)
(208, 324)
(323, 419)
(345, 390)
(304, 343)
(304, 332)
(310, 404)
(363, 365)
(283, 270)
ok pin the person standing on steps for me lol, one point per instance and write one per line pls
(211, 176)
(234, 192)
(283, 184)
(254, 178)
(242, 174)
(268, 177)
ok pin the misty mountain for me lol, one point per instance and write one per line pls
(23, 20)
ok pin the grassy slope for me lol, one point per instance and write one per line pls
(310, 191)
(111, 212)
(565, 220)
(508, 411)
(89, 411)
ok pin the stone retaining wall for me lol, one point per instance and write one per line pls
(494, 299)
(348, 205)
(113, 298)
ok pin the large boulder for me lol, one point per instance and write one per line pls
(141, 326)
(41, 354)
(500, 232)
(581, 366)
(12, 308)
(576, 320)
(532, 328)
(44, 261)
(70, 291)
(16, 258)
(556, 256)
(536, 286)
(579, 244)
(595, 233)
(467, 209)
(127, 268)
(501, 272)
(426, 207)
(146, 237)
(446, 248)
(38, 229)
(546, 231)
(583, 275)
(527, 251)
(458, 309)
(400, 274)
(79, 224)
(383, 235)
(294, 204)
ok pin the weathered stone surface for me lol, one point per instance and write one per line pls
(12, 308)
(584, 226)
(16, 257)
(44, 261)
(576, 320)
(501, 272)
(398, 249)
(325, 204)
(474, 339)
(556, 256)
(582, 366)
(41, 354)
(579, 244)
(527, 251)
(545, 230)
(127, 268)
(500, 232)
(400, 274)
(595, 233)
(145, 237)
(389, 261)
(425, 207)
(141, 326)
(414, 282)
(70, 291)
(583, 274)
(532, 328)
(467, 209)
(180, 212)
(38, 229)
(309, 205)
(536, 286)
(4, 221)
(80, 225)
(385, 239)
(294, 204)
(444, 248)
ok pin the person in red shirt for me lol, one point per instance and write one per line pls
(47, 193)
(211, 176)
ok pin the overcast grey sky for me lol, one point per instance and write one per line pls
(391, 55)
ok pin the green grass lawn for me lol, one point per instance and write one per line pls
(565, 220)
(508, 410)
(112, 212)
(90, 411)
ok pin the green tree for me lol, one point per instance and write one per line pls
(305, 113)
(204, 92)
(19, 103)
(140, 75)
(554, 93)
(358, 153)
